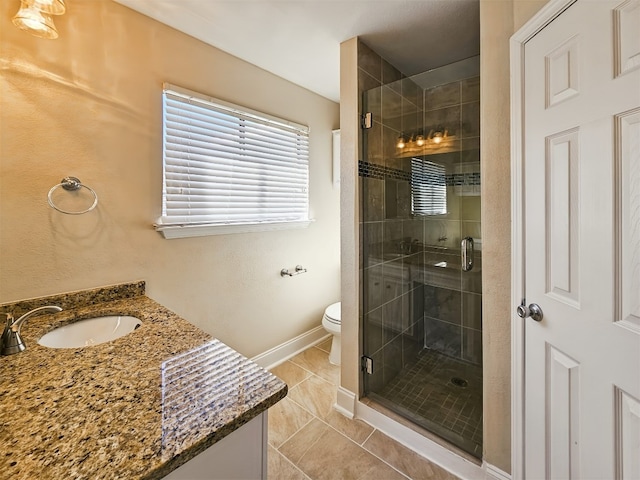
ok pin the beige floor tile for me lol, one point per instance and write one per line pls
(305, 439)
(404, 459)
(290, 373)
(316, 395)
(356, 430)
(382, 471)
(286, 418)
(317, 361)
(279, 468)
(307, 448)
(325, 346)
(335, 457)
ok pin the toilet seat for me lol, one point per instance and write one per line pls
(332, 313)
(331, 321)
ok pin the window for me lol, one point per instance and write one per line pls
(428, 188)
(228, 169)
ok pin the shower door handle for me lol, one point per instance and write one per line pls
(466, 247)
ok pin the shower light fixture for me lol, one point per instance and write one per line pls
(438, 135)
(34, 17)
(419, 140)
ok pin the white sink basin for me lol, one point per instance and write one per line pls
(92, 331)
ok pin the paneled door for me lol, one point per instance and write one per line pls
(582, 244)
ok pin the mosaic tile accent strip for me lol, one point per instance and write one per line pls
(463, 179)
(380, 172)
(372, 170)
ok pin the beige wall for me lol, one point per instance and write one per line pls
(89, 104)
(350, 216)
(523, 10)
(499, 19)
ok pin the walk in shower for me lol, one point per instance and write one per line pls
(421, 254)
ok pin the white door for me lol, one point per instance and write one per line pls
(582, 243)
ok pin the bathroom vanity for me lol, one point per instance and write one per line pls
(166, 400)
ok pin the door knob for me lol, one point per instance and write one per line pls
(533, 310)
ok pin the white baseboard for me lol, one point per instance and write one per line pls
(346, 402)
(425, 447)
(283, 352)
(494, 473)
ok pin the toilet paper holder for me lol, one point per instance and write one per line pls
(286, 273)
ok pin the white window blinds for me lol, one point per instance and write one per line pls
(226, 165)
(428, 188)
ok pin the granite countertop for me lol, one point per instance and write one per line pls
(136, 407)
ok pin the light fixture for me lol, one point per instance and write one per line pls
(34, 17)
(419, 141)
(438, 135)
(35, 22)
(51, 7)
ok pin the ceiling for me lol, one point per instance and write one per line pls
(299, 40)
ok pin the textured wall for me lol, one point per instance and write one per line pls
(350, 376)
(496, 20)
(89, 104)
(496, 27)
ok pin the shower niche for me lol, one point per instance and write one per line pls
(421, 246)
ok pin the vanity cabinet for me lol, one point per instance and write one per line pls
(241, 455)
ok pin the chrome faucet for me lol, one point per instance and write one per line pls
(11, 341)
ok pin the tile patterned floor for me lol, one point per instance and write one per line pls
(425, 393)
(308, 440)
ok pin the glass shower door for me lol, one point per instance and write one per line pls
(422, 254)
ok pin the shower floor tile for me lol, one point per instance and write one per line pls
(427, 393)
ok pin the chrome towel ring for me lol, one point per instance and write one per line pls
(71, 184)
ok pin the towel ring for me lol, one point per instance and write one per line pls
(71, 184)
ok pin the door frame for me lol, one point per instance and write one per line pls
(546, 15)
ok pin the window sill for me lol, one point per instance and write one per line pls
(185, 231)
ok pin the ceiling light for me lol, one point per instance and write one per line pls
(401, 142)
(34, 21)
(51, 7)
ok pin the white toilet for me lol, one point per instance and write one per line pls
(331, 323)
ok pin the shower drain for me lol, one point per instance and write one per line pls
(459, 382)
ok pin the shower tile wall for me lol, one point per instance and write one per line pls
(392, 304)
(453, 303)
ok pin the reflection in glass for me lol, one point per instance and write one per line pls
(428, 188)
(206, 389)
